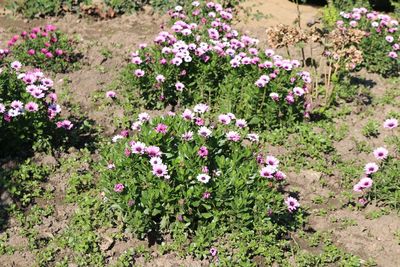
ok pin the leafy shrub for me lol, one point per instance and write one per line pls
(188, 175)
(40, 8)
(205, 60)
(381, 46)
(382, 177)
(29, 110)
(46, 48)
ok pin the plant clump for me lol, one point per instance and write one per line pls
(201, 178)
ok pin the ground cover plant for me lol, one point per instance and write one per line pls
(43, 47)
(382, 43)
(30, 113)
(186, 184)
(205, 60)
(195, 177)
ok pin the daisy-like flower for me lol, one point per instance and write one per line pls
(268, 171)
(203, 152)
(279, 176)
(139, 73)
(298, 91)
(117, 137)
(31, 107)
(179, 86)
(16, 65)
(111, 94)
(66, 124)
(16, 104)
(138, 148)
(204, 132)
(357, 188)
(119, 188)
(155, 161)
(213, 252)
(161, 128)
(143, 117)
(160, 78)
(272, 161)
(137, 126)
(381, 153)
(187, 136)
(201, 108)
(371, 168)
(241, 123)
(2, 108)
(365, 182)
(292, 204)
(188, 115)
(153, 151)
(203, 178)
(160, 170)
(224, 119)
(390, 123)
(233, 136)
(253, 137)
(274, 96)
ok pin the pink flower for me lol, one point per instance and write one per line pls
(253, 137)
(179, 86)
(392, 54)
(153, 151)
(274, 96)
(161, 128)
(160, 170)
(365, 182)
(298, 91)
(371, 168)
(66, 124)
(204, 132)
(143, 117)
(213, 251)
(187, 136)
(160, 78)
(241, 123)
(206, 195)
(201, 108)
(32, 107)
(381, 153)
(267, 172)
(224, 119)
(292, 204)
(203, 152)
(188, 115)
(138, 148)
(139, 73)
(233, 136)
(272, 161)
(111, 94)
(390, 123)
(119, 188)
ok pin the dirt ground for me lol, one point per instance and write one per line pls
(365, 238)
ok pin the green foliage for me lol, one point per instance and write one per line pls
(371, 129)
(239, 200)
(24, 183)
(40, 8)
(227, 83)
(46, 48)
(27, 130)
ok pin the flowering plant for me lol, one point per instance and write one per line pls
(46, 48)
(384, 173)
(189, 174)
(28, 108)
(381, 46)
(203, 59)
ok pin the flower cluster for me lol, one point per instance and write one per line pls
(381, 154)
(193, 166)
(28, 106)
(382, 41)
(45, 47)
(203, 59)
